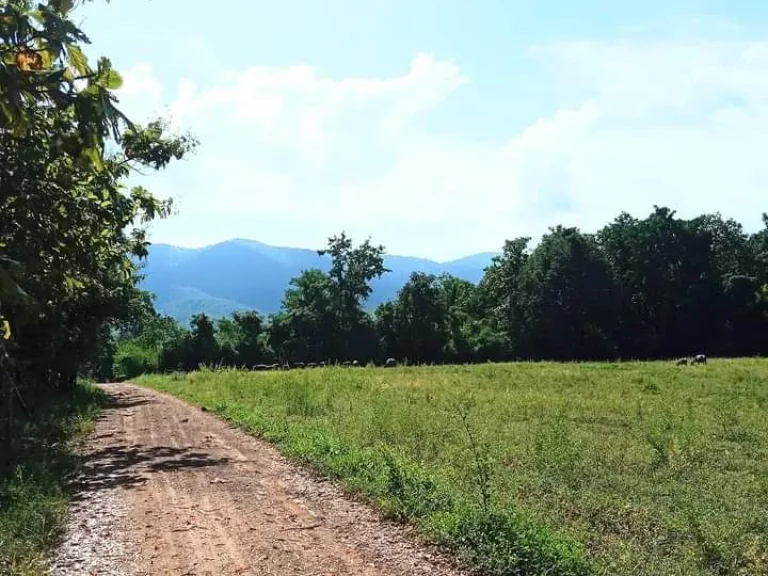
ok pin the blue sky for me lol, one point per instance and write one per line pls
(442, 128)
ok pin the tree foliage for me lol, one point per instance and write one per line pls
(565, 298)
(349, 285)
(70, 230)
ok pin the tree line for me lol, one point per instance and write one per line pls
(639, 288)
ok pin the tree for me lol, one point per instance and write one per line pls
(668, 283)
(66, 226)
(321, 318)
(746, 302)
(228, 338)
(304, 330)
(459, 299)
(241, 339)
(498, 294)
(567, 299)
(385, 324)
(758, 247)
(140, 339)
(730, 253)
(70, 232)
(420, 319)
(352, 269)
(204, 349)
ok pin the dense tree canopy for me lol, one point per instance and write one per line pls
(70, 230)
(565, 299)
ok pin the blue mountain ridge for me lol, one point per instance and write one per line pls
(249, 275)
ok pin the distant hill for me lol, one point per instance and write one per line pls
(246, 274)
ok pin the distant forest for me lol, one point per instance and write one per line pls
(650, 288)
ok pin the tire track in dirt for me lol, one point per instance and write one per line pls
(204, 535)
(162, 499)
(214, 520)
(207, 499)
(260, 524)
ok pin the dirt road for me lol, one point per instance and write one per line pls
(168, 489)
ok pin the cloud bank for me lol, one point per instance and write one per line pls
(291, 155)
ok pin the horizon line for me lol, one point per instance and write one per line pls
(231, 240)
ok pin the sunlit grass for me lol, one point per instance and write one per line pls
(649, 467)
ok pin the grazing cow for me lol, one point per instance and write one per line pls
(299, 365)
(355, 363)
(390, 363)
(311, 365)
(346, 364)
(699, 359)
(323, 364)
(682, 362)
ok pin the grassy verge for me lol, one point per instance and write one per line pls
(35, 467)
(626, 469)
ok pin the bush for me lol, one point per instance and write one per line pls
(132, 360)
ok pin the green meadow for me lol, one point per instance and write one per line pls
(533, 468)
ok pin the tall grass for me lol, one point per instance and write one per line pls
(35, 466)
(534, 468)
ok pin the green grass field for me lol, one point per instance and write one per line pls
(35, 467)
(627, 469)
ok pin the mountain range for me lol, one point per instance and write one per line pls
(249, 275)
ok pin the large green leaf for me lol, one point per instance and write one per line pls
(93, 155)
(113, 80)
(77, 59)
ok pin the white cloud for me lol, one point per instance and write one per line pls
(684, 125)
(290, 155)
(141, 90)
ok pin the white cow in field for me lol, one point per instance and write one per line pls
(699, 359)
